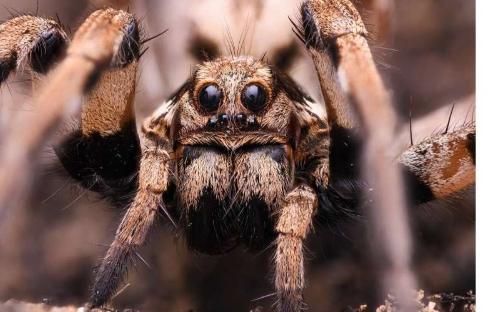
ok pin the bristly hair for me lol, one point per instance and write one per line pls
(130, 49)
(114, 178)
(449, 119)
(230, 43)
(236, 49)
(134, 38)
(48, 49)
(297, 29)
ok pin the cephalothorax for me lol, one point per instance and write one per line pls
(234, 130)
(237, 155)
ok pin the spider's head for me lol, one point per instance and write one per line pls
(234, 102)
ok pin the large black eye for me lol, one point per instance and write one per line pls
(254, 97)
(210, 97)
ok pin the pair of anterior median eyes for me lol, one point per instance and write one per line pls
(253, 97)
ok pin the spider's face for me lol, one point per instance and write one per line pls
(234, 130)
(234, 102)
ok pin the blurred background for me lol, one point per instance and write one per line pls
(425, 51)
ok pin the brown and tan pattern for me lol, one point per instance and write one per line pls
(235, 157)
(109, 107)
(96, 45)
(38, 40)
(135, 225)
(293, 225)
(239, 155)
(335, 28)
(444, 162)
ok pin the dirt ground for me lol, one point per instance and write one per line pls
(50, 247)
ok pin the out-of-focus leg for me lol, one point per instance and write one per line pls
(103, 152)
(102, 41)
(336, 38)
(34, 41)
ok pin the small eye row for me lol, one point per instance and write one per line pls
(254, 97)
(239, 119)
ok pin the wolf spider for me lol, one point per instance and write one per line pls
(236, 155)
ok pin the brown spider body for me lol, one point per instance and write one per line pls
(237, 155)
(233, 167)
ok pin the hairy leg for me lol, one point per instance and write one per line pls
(293, 225)
(335, 34)
(155, 169)
(322, 24)
(134, 227)
(37, 42)
(100, 42)
(380, 19)
(103, 153)
(440, 165)
(356, 98)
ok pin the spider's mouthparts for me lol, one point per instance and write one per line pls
(229, 141)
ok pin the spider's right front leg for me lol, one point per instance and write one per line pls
(103, 153)
(108, 39)
(154, 178)
(294, 223)
(134, 227)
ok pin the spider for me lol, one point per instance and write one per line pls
(237, 155)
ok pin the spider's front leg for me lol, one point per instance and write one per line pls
(293, 225)
(295, 216)
(154, 178)
(134, 227)
(103, 154)
(357, 101)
